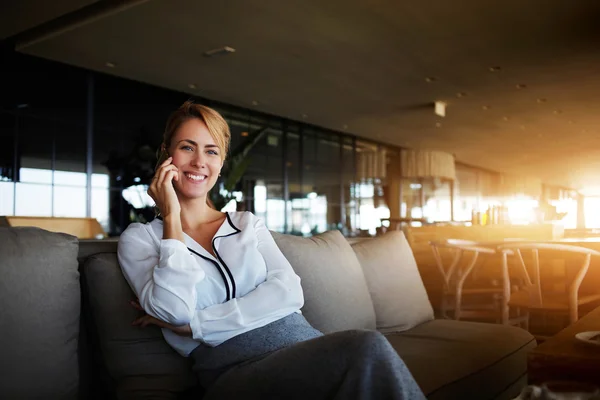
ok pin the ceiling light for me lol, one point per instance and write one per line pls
(440, 108)
(486, 107)
(430, 79)
(219, 52)
(110, 64)
(460, 94)
(244, 134)
(542, 100)
(495, 69)
(521, 86)
(192, 86)
(254, 102)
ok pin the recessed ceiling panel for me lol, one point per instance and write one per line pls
(520, 79)
(19, 15)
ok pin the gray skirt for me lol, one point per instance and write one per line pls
(211, 362)
(290, 360)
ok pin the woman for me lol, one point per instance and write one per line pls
(225, 295)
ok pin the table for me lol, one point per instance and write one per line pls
(562, 357)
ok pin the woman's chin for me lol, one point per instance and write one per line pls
(194, 190)
(193, 193)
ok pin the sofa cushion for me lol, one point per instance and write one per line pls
(40, 297)
(458, 359)
(139, 360)
(336, 297)
(398, 294)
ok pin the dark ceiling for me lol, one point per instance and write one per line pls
(521, 78)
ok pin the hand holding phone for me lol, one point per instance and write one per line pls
(162, 191)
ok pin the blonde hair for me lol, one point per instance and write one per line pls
(216, 124)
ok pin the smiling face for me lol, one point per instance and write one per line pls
(198, 158)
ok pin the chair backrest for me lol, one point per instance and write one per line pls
(530, 245)
(533, 274)
(458, 248)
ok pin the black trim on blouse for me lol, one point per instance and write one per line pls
(221, 259)
(230, 293)
(218, 267)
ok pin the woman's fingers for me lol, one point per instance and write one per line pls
(166, 176)
(160, 174)
(163, 175)
(136, 305)
(146, 320)
(142, 322)
(161, 188)
(166, 162)
(157, 174)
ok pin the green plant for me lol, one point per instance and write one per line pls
(234, 169)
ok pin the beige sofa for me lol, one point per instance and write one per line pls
(66, 325)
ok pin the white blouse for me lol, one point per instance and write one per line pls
(249, 283)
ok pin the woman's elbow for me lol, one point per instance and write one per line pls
(297, 293)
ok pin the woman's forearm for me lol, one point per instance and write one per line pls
(172, 227)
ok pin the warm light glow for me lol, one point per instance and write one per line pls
(570, 207)
(522, 211)
(592, 212)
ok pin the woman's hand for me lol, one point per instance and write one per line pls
(162, 191)
(145, 320)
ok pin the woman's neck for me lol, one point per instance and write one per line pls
(196, 212)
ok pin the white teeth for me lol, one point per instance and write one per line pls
(195, 177)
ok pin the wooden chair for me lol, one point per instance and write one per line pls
(462, 296)
(531, 295)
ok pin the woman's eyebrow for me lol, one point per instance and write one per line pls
(189, 141)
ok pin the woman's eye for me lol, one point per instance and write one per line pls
(213, 152)
(190, 148)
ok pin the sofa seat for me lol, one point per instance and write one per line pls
(487, 360)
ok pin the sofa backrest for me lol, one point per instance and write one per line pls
(399, 296)
(371, 284)
(40, 314)
(335, 291)
(336, 296)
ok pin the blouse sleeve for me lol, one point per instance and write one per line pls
(163, 278)
(278, 296)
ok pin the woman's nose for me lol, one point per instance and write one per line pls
(198, 160)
